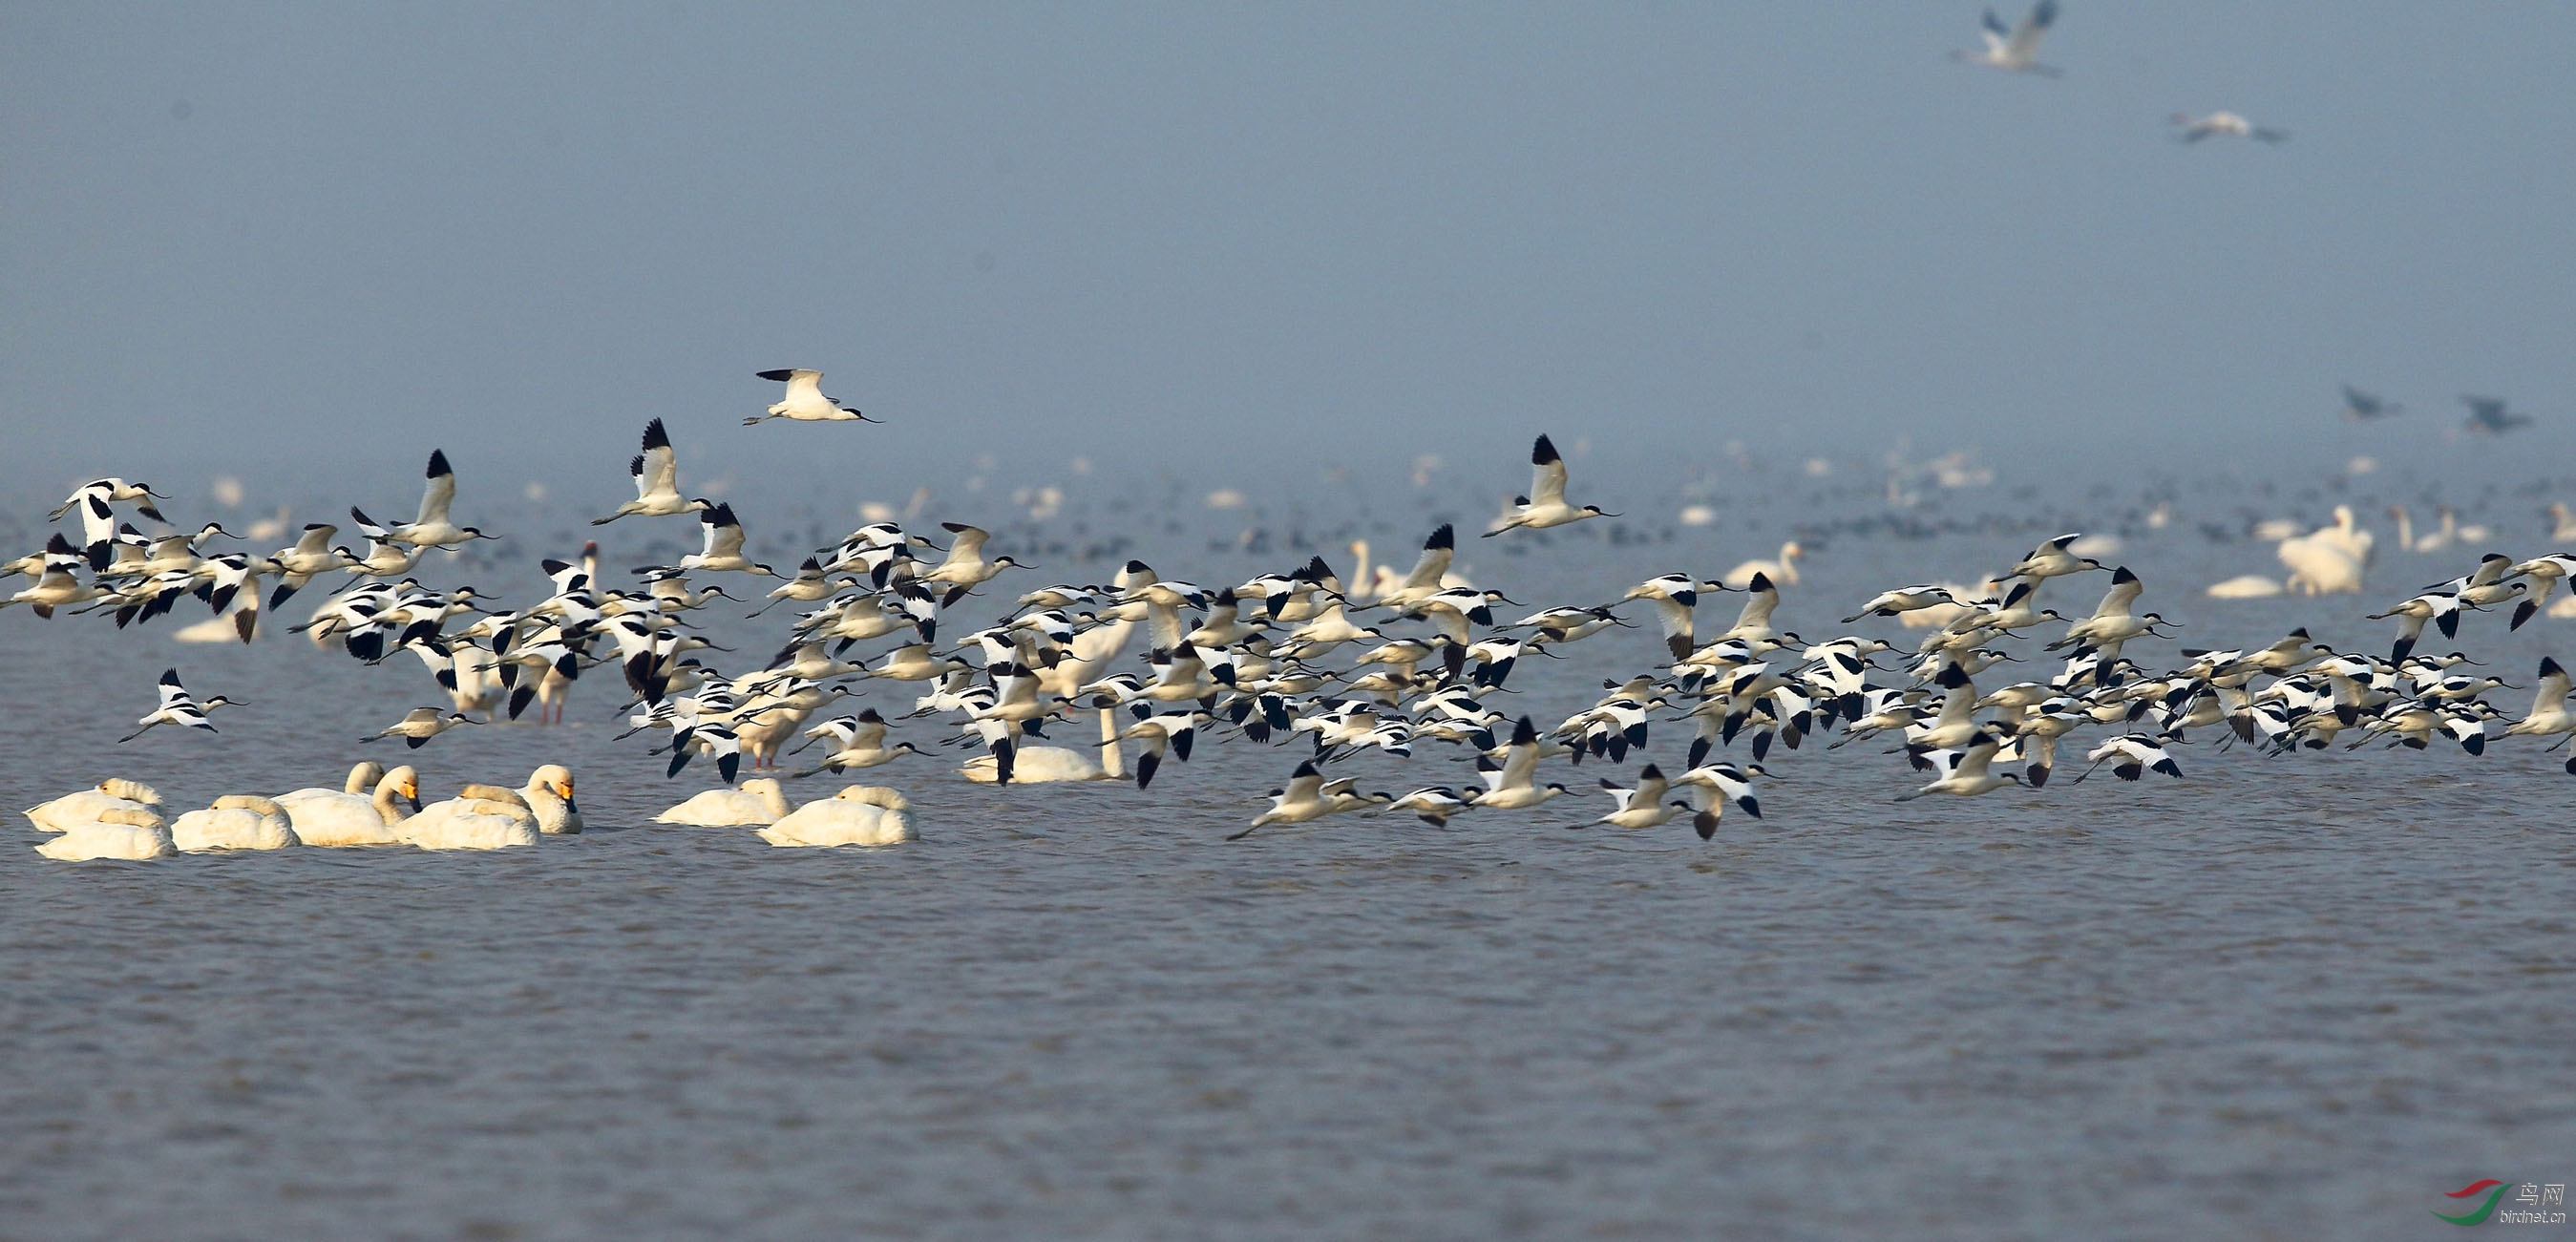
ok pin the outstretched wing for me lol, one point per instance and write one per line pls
(1547, 474)
(1434, 563)
(658, 469)
(723, 532)
(440, 490)
(2027, 32)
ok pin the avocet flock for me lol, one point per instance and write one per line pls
(1250, 664)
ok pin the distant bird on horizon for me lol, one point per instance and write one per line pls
(2013, 48)
(2225, 125)
(2362, 407)
(2488, 417)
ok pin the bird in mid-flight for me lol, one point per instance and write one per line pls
(2014, 47)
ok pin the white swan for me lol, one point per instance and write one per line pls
(1367, 582)
(858, 815)
(1088, 657)
(2246, 586)
(1045, 765)
(73, 809)
(2346, 535)
(758, 802)
(2328, 561)
(362, 782)
(2318, 568)
(2449, 535)
(118, 832)
(548, 795)
(1783, 571)
(336, 819)
(479, 817)
(235, 822)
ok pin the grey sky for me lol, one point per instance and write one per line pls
(1212, 237)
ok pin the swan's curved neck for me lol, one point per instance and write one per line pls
(1111, 762)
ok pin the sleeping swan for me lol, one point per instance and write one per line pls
(2248, 586)
(84, 807)
(235, 822)
(757, 802)
(858, 815)
(118, 832)
(479, 817)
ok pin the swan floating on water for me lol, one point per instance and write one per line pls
(2244, 586)
(756, 803)
(548, 796)
(2330, 560)
(479, 817)
(118, 832)
(1043, 765)
(85, 806)
(1783, 570)
(323, 817)
(235, 822)
(363, 776)
(858, 815)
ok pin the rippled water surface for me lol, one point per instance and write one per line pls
(2288, 997)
